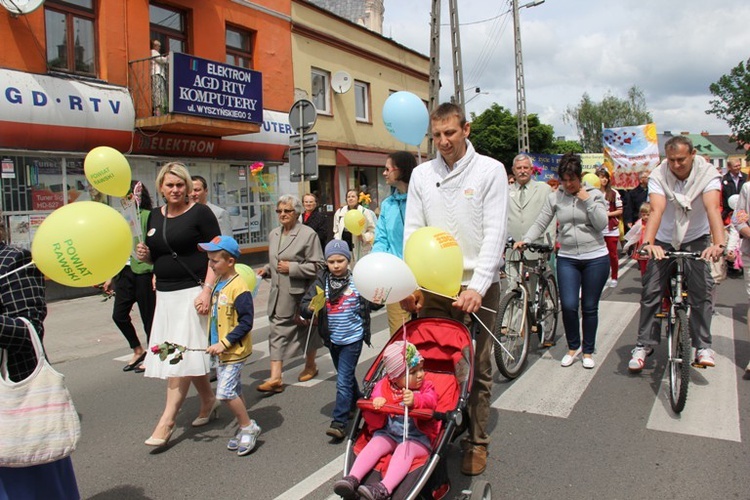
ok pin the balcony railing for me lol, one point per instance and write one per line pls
(149, 86)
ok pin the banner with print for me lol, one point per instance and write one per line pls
(628, 151)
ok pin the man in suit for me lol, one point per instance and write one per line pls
(526, 198)
(731, 184)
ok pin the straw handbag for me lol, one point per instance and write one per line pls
(38, 422)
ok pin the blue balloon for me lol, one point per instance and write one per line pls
(406, 117)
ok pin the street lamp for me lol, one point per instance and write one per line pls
(477, 93)
(523, 123)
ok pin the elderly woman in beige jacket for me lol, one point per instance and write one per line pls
(294, 257)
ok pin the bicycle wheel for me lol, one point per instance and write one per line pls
(680, 347)
(548, 311)
(512, 332)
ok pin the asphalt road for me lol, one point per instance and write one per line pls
(557, 433)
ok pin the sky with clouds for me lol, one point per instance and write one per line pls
(671, 49)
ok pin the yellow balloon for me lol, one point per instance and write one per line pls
(108, 171)
(354, 221)
(82, 244)
(436, 260)
(248, 275)
(592, 180)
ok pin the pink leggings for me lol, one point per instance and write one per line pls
(403, 456)
(612, 242)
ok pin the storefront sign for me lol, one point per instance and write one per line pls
(44, 112)
(208, 88)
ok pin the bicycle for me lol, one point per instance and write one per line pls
(677, 331)
(516, 312)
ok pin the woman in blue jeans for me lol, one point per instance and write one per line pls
(582, 261)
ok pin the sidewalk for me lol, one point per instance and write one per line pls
(83, 327)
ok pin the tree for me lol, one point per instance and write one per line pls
(732, 103)
(590, 117)
(494, 133)
(560, 147)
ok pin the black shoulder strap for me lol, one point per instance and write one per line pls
(174, 254)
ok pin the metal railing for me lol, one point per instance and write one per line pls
(149, 86)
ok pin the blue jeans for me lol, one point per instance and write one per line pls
(345, 359)
(588, 277)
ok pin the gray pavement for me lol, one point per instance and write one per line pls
(83, 327)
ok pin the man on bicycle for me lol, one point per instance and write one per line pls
(685, 196)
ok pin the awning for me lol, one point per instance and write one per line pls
(348, 157)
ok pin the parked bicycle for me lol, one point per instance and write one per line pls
(677, 331)
(523, 311)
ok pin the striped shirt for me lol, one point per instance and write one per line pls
(344, 318)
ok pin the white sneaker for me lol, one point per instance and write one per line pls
(639, 358)
(612, 283)
(588, 362)
(705, 357)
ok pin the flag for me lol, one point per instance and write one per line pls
(628, 151)
(319, 301)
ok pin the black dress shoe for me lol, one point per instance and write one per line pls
(131, 366)
(139, 369)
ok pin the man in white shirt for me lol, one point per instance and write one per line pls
(684, 194)
(466, 194)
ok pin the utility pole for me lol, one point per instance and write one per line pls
(523, 123)
(434, 66)
(458, 72)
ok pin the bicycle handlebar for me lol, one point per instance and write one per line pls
(676, 254)
(532, 247)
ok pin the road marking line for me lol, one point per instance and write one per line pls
(712, 408)
(549, 389)
(314, 480)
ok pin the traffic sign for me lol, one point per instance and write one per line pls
(303, 163)
(306, 140)
(302, 115)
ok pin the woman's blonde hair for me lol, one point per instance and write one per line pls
(177, 169)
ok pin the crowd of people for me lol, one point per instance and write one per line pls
(199, 313)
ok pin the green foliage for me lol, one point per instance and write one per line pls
(590, 117)
(494, 133)
(562, 147)
(732, 103)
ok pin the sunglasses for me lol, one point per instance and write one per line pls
(284, 211)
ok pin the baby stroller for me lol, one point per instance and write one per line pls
(446, 346)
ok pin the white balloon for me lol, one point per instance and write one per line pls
(732, 201)
(383, 278)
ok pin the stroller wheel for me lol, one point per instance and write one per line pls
(481, 490)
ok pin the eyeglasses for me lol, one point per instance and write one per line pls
(284, 211)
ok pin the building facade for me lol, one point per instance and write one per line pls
(79, 74)
(353, 142)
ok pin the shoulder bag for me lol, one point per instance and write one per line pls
(38, 422)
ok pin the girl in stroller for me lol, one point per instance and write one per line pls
(415, 392)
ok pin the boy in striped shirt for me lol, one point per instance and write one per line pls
(344, 324)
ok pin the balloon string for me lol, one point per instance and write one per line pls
(14, 271)
(497, 342)
(454, 298)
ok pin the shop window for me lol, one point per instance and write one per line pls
(362, 101)
(168, 25)
(240, 44)
(70, 36)
(321, 94)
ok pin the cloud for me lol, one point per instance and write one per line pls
(673, 50)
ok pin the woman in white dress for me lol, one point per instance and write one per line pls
(183, 293)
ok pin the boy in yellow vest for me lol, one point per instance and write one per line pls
(230, 322)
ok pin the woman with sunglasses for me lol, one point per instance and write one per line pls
(294, 257)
